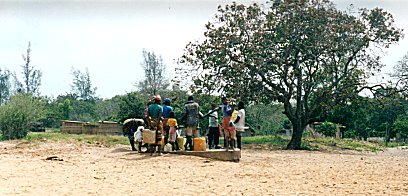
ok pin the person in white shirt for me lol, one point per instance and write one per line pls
(213, 127)
(240, 123)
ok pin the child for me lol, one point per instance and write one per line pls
(233, 128)
(240, 123)
(172, 123)
(138, 137)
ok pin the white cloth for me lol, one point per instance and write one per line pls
(240, 125)
(138, 134)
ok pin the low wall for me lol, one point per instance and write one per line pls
(100, 128)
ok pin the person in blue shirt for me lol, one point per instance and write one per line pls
(167, 109)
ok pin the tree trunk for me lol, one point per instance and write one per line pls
(297, 123)
(296, 140)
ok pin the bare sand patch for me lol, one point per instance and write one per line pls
(83, 169)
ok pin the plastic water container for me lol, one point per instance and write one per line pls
(199, 144)
(180, 141)
(149, 137)
(162, 143)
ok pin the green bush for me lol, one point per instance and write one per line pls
(401, 128)
(17, 115)
(327, 128)
(350, 133)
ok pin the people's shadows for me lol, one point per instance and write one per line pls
(134, 155)
(117, 150)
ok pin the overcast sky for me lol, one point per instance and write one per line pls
(107, 37)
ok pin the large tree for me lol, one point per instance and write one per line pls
(154, 69)
(31, 76)
(305, 54)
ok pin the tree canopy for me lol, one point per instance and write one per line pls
(31, 76)
(82, 85)
(154, 69)
(4, 85)
(305, 54)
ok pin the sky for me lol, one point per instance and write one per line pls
(107, 37)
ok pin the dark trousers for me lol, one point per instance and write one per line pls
(132, 139)
(239, 139)
(213, 136)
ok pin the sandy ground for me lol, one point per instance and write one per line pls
(94, 170)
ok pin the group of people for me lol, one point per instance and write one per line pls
(162, 119)
(233, 124)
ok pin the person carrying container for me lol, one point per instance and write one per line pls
(154, 113)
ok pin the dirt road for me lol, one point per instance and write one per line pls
(82, 169)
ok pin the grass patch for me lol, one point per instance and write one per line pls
(317, 144)
(107, 140)
(269, 141)
(341, 144)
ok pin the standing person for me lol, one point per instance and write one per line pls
(154, 113)
(229, 133)
(167, 109)
(240, 123)
(172, 124)
(190, 116)
(145, 117)
(213, 127)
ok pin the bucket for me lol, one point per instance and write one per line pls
(199, 144)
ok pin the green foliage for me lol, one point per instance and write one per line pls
(108, 109)
(350, 133)
(266, 119)
(401, 128)
(69, 107)
(305, 54)
(327, 128)
(65, 109)
(286, 124)
(17, 115)
(131, 105)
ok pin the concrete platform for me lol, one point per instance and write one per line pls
(218, 154)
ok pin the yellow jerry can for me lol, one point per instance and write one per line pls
(199, 144)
